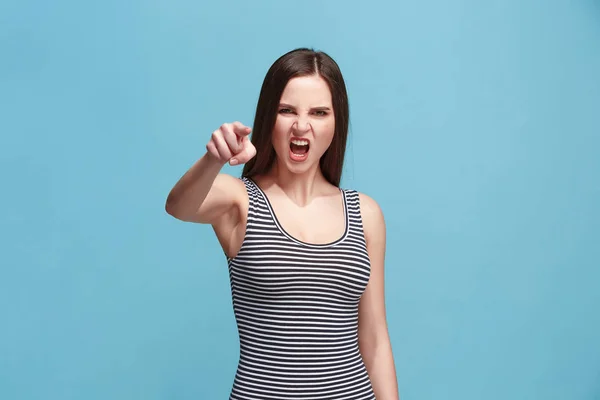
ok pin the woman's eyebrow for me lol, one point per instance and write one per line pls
(312, 108)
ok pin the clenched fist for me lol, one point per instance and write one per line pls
(230, 143)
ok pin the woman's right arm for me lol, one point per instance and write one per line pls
(205, 195)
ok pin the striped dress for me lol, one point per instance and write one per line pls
(296, 307)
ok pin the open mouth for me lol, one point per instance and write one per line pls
(299, 149)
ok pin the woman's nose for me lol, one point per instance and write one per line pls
(302, 124)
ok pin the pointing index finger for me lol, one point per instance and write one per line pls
(241, 129)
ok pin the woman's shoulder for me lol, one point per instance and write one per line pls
(371, 214)
(368, 204)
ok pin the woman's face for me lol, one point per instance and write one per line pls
(305, 123)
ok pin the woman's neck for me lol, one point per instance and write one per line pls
(301, 188)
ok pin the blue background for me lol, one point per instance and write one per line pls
(475, 125)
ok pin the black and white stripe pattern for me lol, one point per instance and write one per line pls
(296, 307)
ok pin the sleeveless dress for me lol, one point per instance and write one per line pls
(296, 309)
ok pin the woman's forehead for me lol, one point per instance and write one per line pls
(312, 91)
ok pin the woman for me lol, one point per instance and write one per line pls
(305, 257)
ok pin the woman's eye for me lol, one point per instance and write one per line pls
(285, 111)
(321, 113)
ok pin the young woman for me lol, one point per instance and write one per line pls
(306, 258)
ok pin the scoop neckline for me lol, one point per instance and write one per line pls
(294, 239)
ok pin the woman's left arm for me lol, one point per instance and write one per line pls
(373, 337)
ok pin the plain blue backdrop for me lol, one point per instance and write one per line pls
(475, 125)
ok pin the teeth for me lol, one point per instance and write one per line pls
(300, 142)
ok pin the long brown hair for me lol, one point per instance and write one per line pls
(299, 62)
